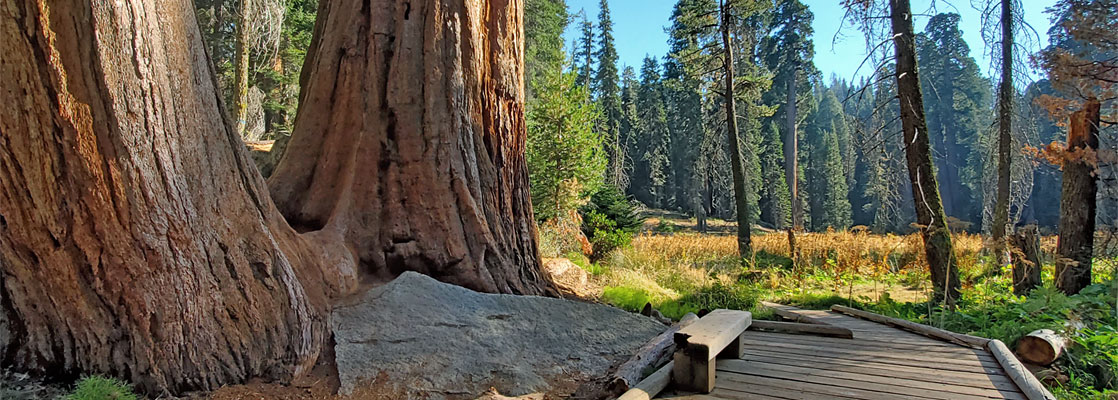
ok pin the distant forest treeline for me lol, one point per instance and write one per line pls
(656, 131)
(664, 141)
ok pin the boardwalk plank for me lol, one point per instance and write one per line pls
(890, 388)
(742, 366)
(975, 378)
(859, 342)
(734, 381)
(964, 359)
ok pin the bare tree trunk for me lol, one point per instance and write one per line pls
(1005, 120)
(741, 191)
(240, 69)
(137, 238)
(409, 144)
(791, 154)
(938, 247)
(1074, 249)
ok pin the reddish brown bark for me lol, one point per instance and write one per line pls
(1075, 247)
(137, 238)
(409, 145)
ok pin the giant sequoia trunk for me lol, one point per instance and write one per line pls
(136, 236)
(1005, 120)
(938, 248)
(741, 203)
(1075, 247)
(409, 143)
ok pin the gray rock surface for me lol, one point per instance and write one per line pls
(430, 339)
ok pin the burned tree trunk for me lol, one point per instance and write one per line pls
(925, 190)
(741, 191)
(1074, 249)
(409, 143)
(136, 236)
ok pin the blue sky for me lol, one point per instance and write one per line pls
(638, 27)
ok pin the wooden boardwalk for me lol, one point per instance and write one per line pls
(880, 362)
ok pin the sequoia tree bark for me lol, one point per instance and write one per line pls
(938, 248)
(409, 143)
(1075, 246)
(136, 236)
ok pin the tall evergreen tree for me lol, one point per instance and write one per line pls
(774, 201)
(544, 22)
(608, 93)
(788, 52)
(652, 140)
(824, 172)
(564, 152)
(957, 107)
(582, 52)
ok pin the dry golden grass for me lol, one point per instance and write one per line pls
(848, 263)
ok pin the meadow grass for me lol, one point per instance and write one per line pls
(686, 272)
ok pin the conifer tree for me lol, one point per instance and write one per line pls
(774, 202)
(608, 93)
(824, 172)
(544, 22)
(582, 52)
(652, 139)
(565, 157)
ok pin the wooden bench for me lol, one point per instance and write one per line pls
(697, 345)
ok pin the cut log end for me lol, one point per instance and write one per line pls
(1041, 347)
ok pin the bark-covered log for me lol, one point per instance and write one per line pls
(1026, 260)
(409, 142)
(1075, 246)
(1041, 347)
(938, 248)
(137, 238)
(656, 352)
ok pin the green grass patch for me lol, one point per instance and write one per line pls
(102, 388)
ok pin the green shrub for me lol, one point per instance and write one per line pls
(102, 388)
(609, 201)
(665, 226)
(604, 234)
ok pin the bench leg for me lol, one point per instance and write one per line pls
(735, 349)
(694, 370)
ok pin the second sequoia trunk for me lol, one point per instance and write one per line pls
(409, 142)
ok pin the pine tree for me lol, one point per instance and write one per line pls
(564, 152)
(608, 93)
(774, 202)
(788, 52)
(544, 22)
(583, 51)
(957, 107)
(652, 140)
(824, 172)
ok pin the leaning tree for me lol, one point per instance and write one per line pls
(137, 238)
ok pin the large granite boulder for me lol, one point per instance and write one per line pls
(421, 338)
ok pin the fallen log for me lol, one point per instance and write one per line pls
(656, 352)
(1041, 347)
(799, 328)
(789, 313)
(652, 385)
(1025, 380)
(930, 331)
